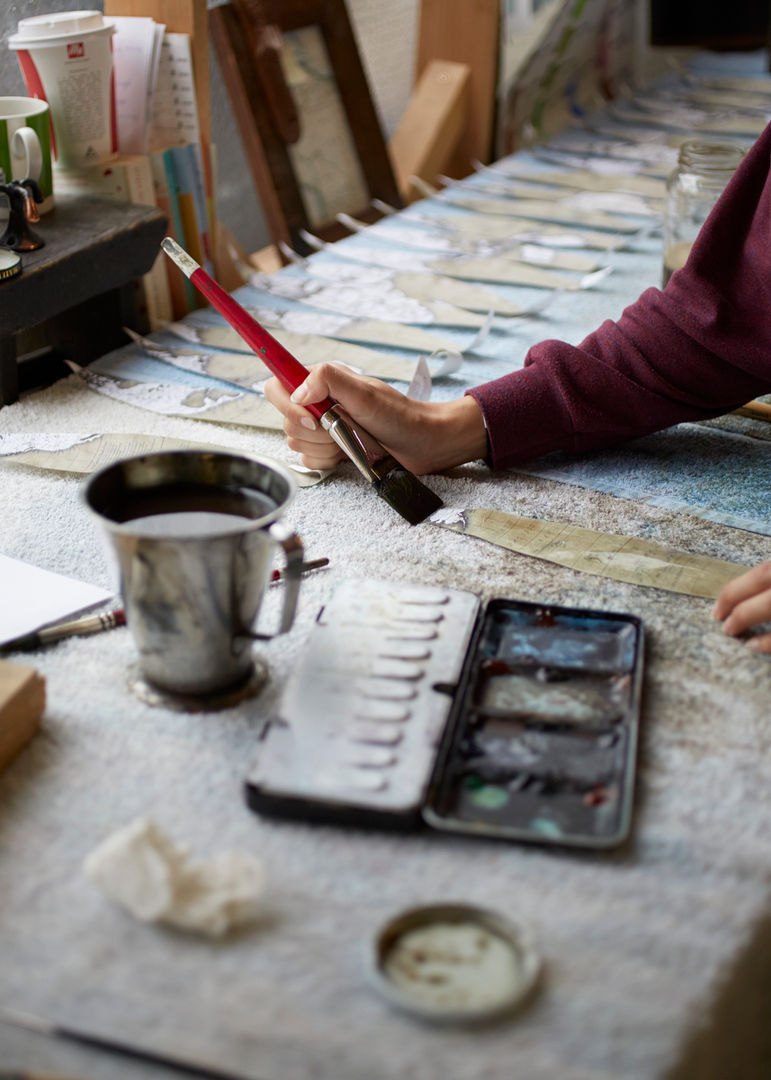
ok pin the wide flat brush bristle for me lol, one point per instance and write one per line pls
(407, 495)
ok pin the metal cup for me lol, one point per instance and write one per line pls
(194, 533)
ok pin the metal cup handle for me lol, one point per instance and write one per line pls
(293, 553)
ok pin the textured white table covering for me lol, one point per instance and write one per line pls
(641, 947)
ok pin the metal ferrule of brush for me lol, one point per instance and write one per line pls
(368, 455)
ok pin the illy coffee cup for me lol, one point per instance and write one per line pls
(66, 59)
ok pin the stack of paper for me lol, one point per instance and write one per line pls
(136, 54)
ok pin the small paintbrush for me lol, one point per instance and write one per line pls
(400, 489)
(90, 624)
(192, 1066)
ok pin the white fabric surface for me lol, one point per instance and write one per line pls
(657, 957)
(636, 944)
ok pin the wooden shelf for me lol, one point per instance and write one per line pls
(81, 284)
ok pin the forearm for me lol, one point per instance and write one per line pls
(696, 350)
(456, 434)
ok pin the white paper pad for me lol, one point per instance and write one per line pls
(31, 597)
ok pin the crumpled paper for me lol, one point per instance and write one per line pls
(140, 868)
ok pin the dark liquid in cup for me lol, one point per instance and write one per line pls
(190, 510)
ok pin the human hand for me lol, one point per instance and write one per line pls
(423, 436)
(746, 602)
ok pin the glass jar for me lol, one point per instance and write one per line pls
(702, 172)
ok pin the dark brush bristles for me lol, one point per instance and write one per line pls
(407, 495)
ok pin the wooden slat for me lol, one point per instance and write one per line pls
(432, 125)
(466, 31)
(22, 701)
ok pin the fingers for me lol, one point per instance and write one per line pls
(746, 602)
(748, 613)
(741, 588)
(360, 395)
(761, 643)
(304, 434)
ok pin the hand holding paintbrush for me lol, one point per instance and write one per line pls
(400, 489)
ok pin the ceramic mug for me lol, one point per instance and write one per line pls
(193, 533)
(25, 144)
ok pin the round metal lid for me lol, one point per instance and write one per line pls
(10, 264)
(454, 963)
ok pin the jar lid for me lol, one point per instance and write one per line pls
(454, 963)
(10, 264)
(58, 25)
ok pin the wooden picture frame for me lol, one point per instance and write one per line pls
(251, 39)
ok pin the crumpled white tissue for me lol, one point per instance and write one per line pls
(141, 869)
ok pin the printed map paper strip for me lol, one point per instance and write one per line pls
(536, 251)
(419, 285)
(538, 210)
(202, 403)
(600, 165)
(661, 157)
(247, 370)
(493, 269)
(607, 201)
(497, 227)
(691, 120)
(650, 187)
(609, 555)
(308, 321)
(77, 452)
(376, 293)
(380, 299)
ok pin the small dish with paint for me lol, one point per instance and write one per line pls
(454, 963)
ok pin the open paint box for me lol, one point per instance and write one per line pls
(418, 706)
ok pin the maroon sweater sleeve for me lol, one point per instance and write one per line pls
(698, 349)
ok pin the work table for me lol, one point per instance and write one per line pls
(656, 955)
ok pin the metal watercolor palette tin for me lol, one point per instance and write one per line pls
(416, 705)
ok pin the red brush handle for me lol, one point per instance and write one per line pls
(288, 370)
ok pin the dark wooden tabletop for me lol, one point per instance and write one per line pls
(92, 245)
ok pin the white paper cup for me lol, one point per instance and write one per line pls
(66, 59)
(25, 144)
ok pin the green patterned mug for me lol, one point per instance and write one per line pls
(25, 144)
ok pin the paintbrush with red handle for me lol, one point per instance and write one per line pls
(400, 489)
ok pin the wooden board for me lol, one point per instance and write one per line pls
(432, 126)
(22, 701)
(466, 31)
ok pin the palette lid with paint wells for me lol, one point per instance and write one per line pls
(415, 706)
